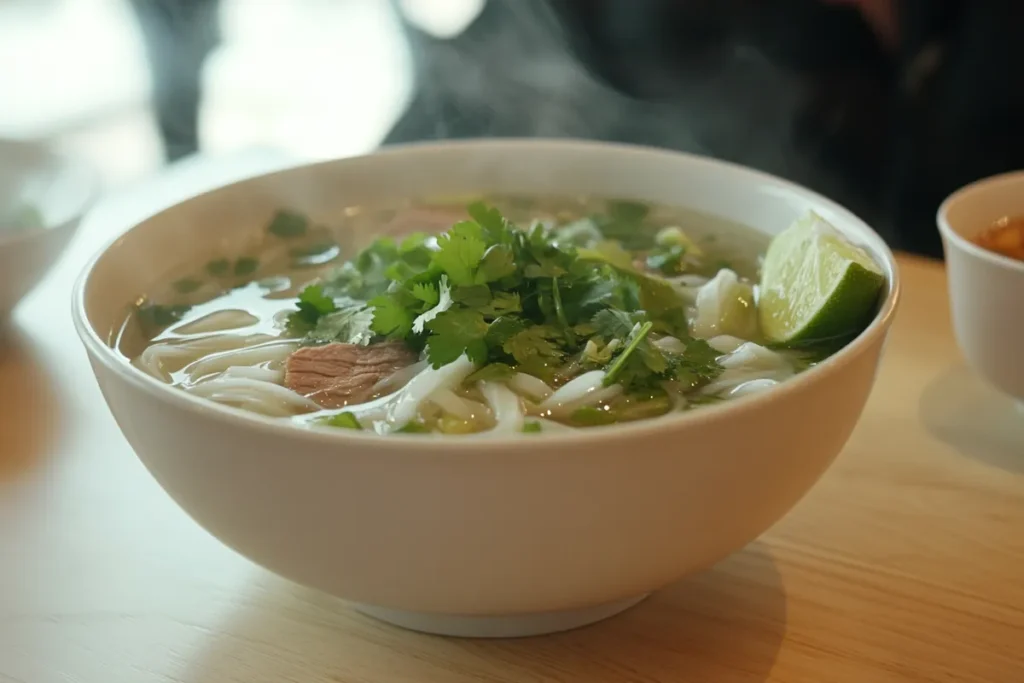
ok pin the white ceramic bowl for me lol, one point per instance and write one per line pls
(469, 535)
(986, 289)
(61, 190)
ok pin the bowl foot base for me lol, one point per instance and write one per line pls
(511, 626)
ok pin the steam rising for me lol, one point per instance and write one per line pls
(515, 72)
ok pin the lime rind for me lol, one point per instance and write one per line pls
(816, 285)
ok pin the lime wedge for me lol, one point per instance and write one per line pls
(816, 286)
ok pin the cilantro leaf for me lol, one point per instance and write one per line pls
(472, 296)
(351, 324)
(367, 276)
(391, 317)
(667, 260)
(490, 373)
(218, 267)
(532, 427)
(312, 305)
(535, 341)
(443, 303)
(546, 259)
(156, 317)
(697, 364)
(619, 365)
(345, 420)
(504, 328)
(454, 332)
(503, 303)
(498, 262)
(460, 251)
(246, 265)
(610, 252)
(496, 228)
(427, 293)
(288, 224)
(613, 324)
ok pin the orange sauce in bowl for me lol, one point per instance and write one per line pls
(1005, 236)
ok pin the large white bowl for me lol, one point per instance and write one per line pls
(61, 189)
(467, 535)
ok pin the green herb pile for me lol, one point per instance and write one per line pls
(549, 302)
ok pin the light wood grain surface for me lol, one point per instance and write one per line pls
(905, 563)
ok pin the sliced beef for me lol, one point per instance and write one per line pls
(336, 375)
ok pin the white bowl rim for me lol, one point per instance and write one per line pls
(92, 192)
(962, 243)
(442, 446)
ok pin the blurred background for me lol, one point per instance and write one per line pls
(884, 105)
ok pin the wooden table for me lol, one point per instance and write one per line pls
(905, 563)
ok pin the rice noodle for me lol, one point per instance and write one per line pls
(406, 403)
(750, 355)
(246, 356)
(218, 321)
(533, 387)
(587, 389)
(399, 378)
(748, 363)
(725, 306)
(670, 345)
(263, 397)
(506, 406)
(260, 372)
(460, 407)
(725, 343)
(165, 357)
(752, 387)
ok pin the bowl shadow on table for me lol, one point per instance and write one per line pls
(961, 410)
(724, 625)
(27, 421)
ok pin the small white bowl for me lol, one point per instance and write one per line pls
(479, 536)
(986, 289)
(61, 190)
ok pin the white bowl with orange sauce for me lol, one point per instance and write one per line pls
(980, 226)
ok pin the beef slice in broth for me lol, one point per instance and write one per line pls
(336, 375)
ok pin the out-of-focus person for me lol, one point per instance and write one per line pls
(884, 105)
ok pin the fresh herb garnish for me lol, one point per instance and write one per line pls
(154, 317)
(491, 373)
(218, 267)
(414, 427)
(510, 300)
(349, 324)
(697, 364)
(345, 420)
(246, 265)
(312, 305)
(667, 260)
(186, 285)
(288, 224)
